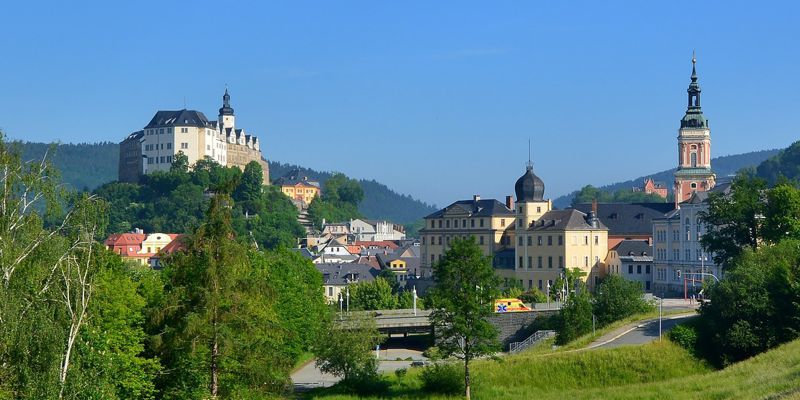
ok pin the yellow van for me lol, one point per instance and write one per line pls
(510, 305)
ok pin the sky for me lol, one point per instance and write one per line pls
(435, 99)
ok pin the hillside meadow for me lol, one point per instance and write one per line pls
(659, 370)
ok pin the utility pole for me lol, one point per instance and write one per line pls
(414, 291)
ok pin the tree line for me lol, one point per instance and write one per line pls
(225, 318)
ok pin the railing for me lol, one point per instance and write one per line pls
(537, 336)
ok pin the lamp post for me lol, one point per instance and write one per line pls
(414, 292)
(348, 298)
(340, 302)
(548, 294)
(703, 259)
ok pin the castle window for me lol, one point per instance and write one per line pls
(538, 209)
(169, 130)
(560, 240)
(481, 222)
(694, 185)
(184, 145)
(502, 222)
(184, 130)
(161, 131)
(169, 146)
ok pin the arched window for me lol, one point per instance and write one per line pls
(694, 159)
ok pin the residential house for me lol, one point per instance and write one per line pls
(632, 260)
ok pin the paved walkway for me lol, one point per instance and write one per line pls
(639, 332)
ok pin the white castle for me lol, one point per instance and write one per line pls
(188, 131)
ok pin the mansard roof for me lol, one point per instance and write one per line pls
(178, 118)
(634, 248)
(476, 208)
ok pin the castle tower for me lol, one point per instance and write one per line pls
(694, 172)
(226, 117)
(530, 206)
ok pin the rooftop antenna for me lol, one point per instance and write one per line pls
(184, 102)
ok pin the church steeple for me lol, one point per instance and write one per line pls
(694, 117)
(694, 172)
(226, 104)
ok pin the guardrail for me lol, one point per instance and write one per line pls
(537, 337)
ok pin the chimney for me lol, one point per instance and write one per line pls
(510, 202)
(476, 197)
(594, 206)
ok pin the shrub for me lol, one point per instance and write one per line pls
(685, 336)
(400, 373)
(533, 296)
(432, 353)
(365, 381)
(442, 378)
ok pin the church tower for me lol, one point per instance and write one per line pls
(226, 117)
(530, 206)
(694, 172)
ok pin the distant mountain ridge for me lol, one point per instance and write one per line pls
(89, 165)
(722, 166)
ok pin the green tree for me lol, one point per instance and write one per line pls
(302, 310)
(462, 299)
(757, 305)
(782, 213)
(575, 318)
(221, 334)
(735, 219)
(346, 348)
(373, 295)
(248, 192)
(616, 298)
(180, 163)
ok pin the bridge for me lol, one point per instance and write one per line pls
(510, 324)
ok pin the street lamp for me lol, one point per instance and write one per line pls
(347, 290)
(703, 259)
(414, 292)
(340, 301)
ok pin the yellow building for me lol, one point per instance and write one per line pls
(489, 221)
(530, 243)
(300, 189)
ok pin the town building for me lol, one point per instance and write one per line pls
(652, 187)
(694, 172)
(628, 221)
(376, 230)
(141, 248)
(337, 276)
(404, 262)
(632, 260)
(677, 250)
(190, 133)
(489, 221)
(299, 188)
(529, 242)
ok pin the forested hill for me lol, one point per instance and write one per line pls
(89, 165)
(379, 202)
(83, 165)
(722, 166)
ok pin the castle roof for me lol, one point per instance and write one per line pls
(178, 118)
(529, 187)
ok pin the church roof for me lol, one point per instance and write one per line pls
(178, 118)
(694, 117)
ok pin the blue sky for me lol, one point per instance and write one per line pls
(435, 99)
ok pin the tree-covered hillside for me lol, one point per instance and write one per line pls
(723, 166)
(379, 201)
(82, 165)
(89, 165)
(785, 164)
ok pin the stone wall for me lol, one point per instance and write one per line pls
(239, 155)
(515, 326)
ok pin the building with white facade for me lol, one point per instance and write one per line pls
(189, 132)
(374, 230)
(677, 250)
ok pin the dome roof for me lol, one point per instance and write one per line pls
(529, 187)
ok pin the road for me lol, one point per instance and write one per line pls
(639, 333)
(309, 377)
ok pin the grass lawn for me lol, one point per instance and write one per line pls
(659, 370)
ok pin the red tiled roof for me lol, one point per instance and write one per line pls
(125, 239)
(177, 244)
(379, 243)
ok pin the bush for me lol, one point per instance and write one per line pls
(685, 336)
(400, 373)
(365, 381)
(617, 298)
(443, 378)
(533, 296)
(432, 353)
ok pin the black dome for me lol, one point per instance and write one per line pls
(529, 187)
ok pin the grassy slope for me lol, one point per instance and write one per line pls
(653, 371)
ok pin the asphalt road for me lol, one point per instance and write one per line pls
(642, 333)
